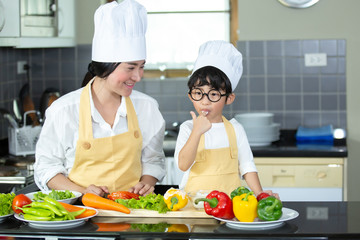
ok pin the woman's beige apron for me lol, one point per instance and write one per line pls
(216, 169)
(114, 161)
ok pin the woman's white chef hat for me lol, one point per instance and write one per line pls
(119, 34)
(222, 55)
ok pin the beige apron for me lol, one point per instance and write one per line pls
(114, 161)
(216, 169)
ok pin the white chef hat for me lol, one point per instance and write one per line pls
(119, 34)
(222, 55)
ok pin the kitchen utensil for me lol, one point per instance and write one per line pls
(47, 98)
(28, 104)
(22, 141)
(6, 114)
(259, 128)
(255, 119)
(16, 110)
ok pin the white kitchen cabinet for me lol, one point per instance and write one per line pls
(303, 179)
(173, 173)
(11, 23)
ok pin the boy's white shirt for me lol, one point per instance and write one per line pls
(215, 138)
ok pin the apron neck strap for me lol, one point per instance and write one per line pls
(231, 136)
(85, 122)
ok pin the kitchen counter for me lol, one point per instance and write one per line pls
(313, 150)
(316, 220)
(285, 147)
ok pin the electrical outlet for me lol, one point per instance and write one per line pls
(21, 67)
(315, 60)
(317, 213)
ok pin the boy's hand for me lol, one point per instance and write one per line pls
(200, 124)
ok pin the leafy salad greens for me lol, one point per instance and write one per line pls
(57, 195)
(6, 200)
(151, 201)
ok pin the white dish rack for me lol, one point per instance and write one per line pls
(22, 141)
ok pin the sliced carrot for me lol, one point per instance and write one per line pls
(95, 201)
(112, 227)
(72, 208)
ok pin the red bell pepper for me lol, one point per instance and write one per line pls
(262, 195)
(218, 204)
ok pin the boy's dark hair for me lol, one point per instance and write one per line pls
(218, 79)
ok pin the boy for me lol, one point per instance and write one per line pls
(212, 151)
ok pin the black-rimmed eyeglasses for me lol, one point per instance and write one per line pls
(213, 95)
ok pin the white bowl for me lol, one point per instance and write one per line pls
(198, 194)
(69, 200)
(259, 131)
(255, 119)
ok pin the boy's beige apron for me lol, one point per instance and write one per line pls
(114, 161)
(216, 169)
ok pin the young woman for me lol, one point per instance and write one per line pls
(106, 137)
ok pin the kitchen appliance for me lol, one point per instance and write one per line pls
(38, 18)
(16, 172)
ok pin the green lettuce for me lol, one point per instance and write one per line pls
(6, 200)
(151, 201)
(57, 195)
(142, 227)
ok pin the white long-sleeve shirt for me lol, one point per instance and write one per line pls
(215, 138)
(56, 147)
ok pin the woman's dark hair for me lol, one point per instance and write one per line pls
(99, 69)
(211, 76)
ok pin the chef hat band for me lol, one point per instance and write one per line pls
(119, 34)
(222, 55)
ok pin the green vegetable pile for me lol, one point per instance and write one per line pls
(56, 195)
(6, 200)
(151, 201)
(160, 227)
(48, 210)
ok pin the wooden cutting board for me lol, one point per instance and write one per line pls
(187, 212)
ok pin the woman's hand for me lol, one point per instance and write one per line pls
(145, 186)
(98, 190)
(142, 189)
(271, 193)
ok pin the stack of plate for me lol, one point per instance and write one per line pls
(260, 128)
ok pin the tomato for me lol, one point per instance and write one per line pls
(20, 201)
(262, 196)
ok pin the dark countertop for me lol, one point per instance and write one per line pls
(316, 220)
(288, 147)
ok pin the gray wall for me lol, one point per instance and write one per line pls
(328, 19)
(274, 80)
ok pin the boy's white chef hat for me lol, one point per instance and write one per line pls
(222, 55)
(119, 34)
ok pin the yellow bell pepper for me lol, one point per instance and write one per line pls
(175, 199)
(178, 228)
(245, 207)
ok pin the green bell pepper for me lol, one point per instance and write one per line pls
(269, 209)
(239, 191)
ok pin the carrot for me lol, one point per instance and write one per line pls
(95, 201)
(72, 208)
(112, 227)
